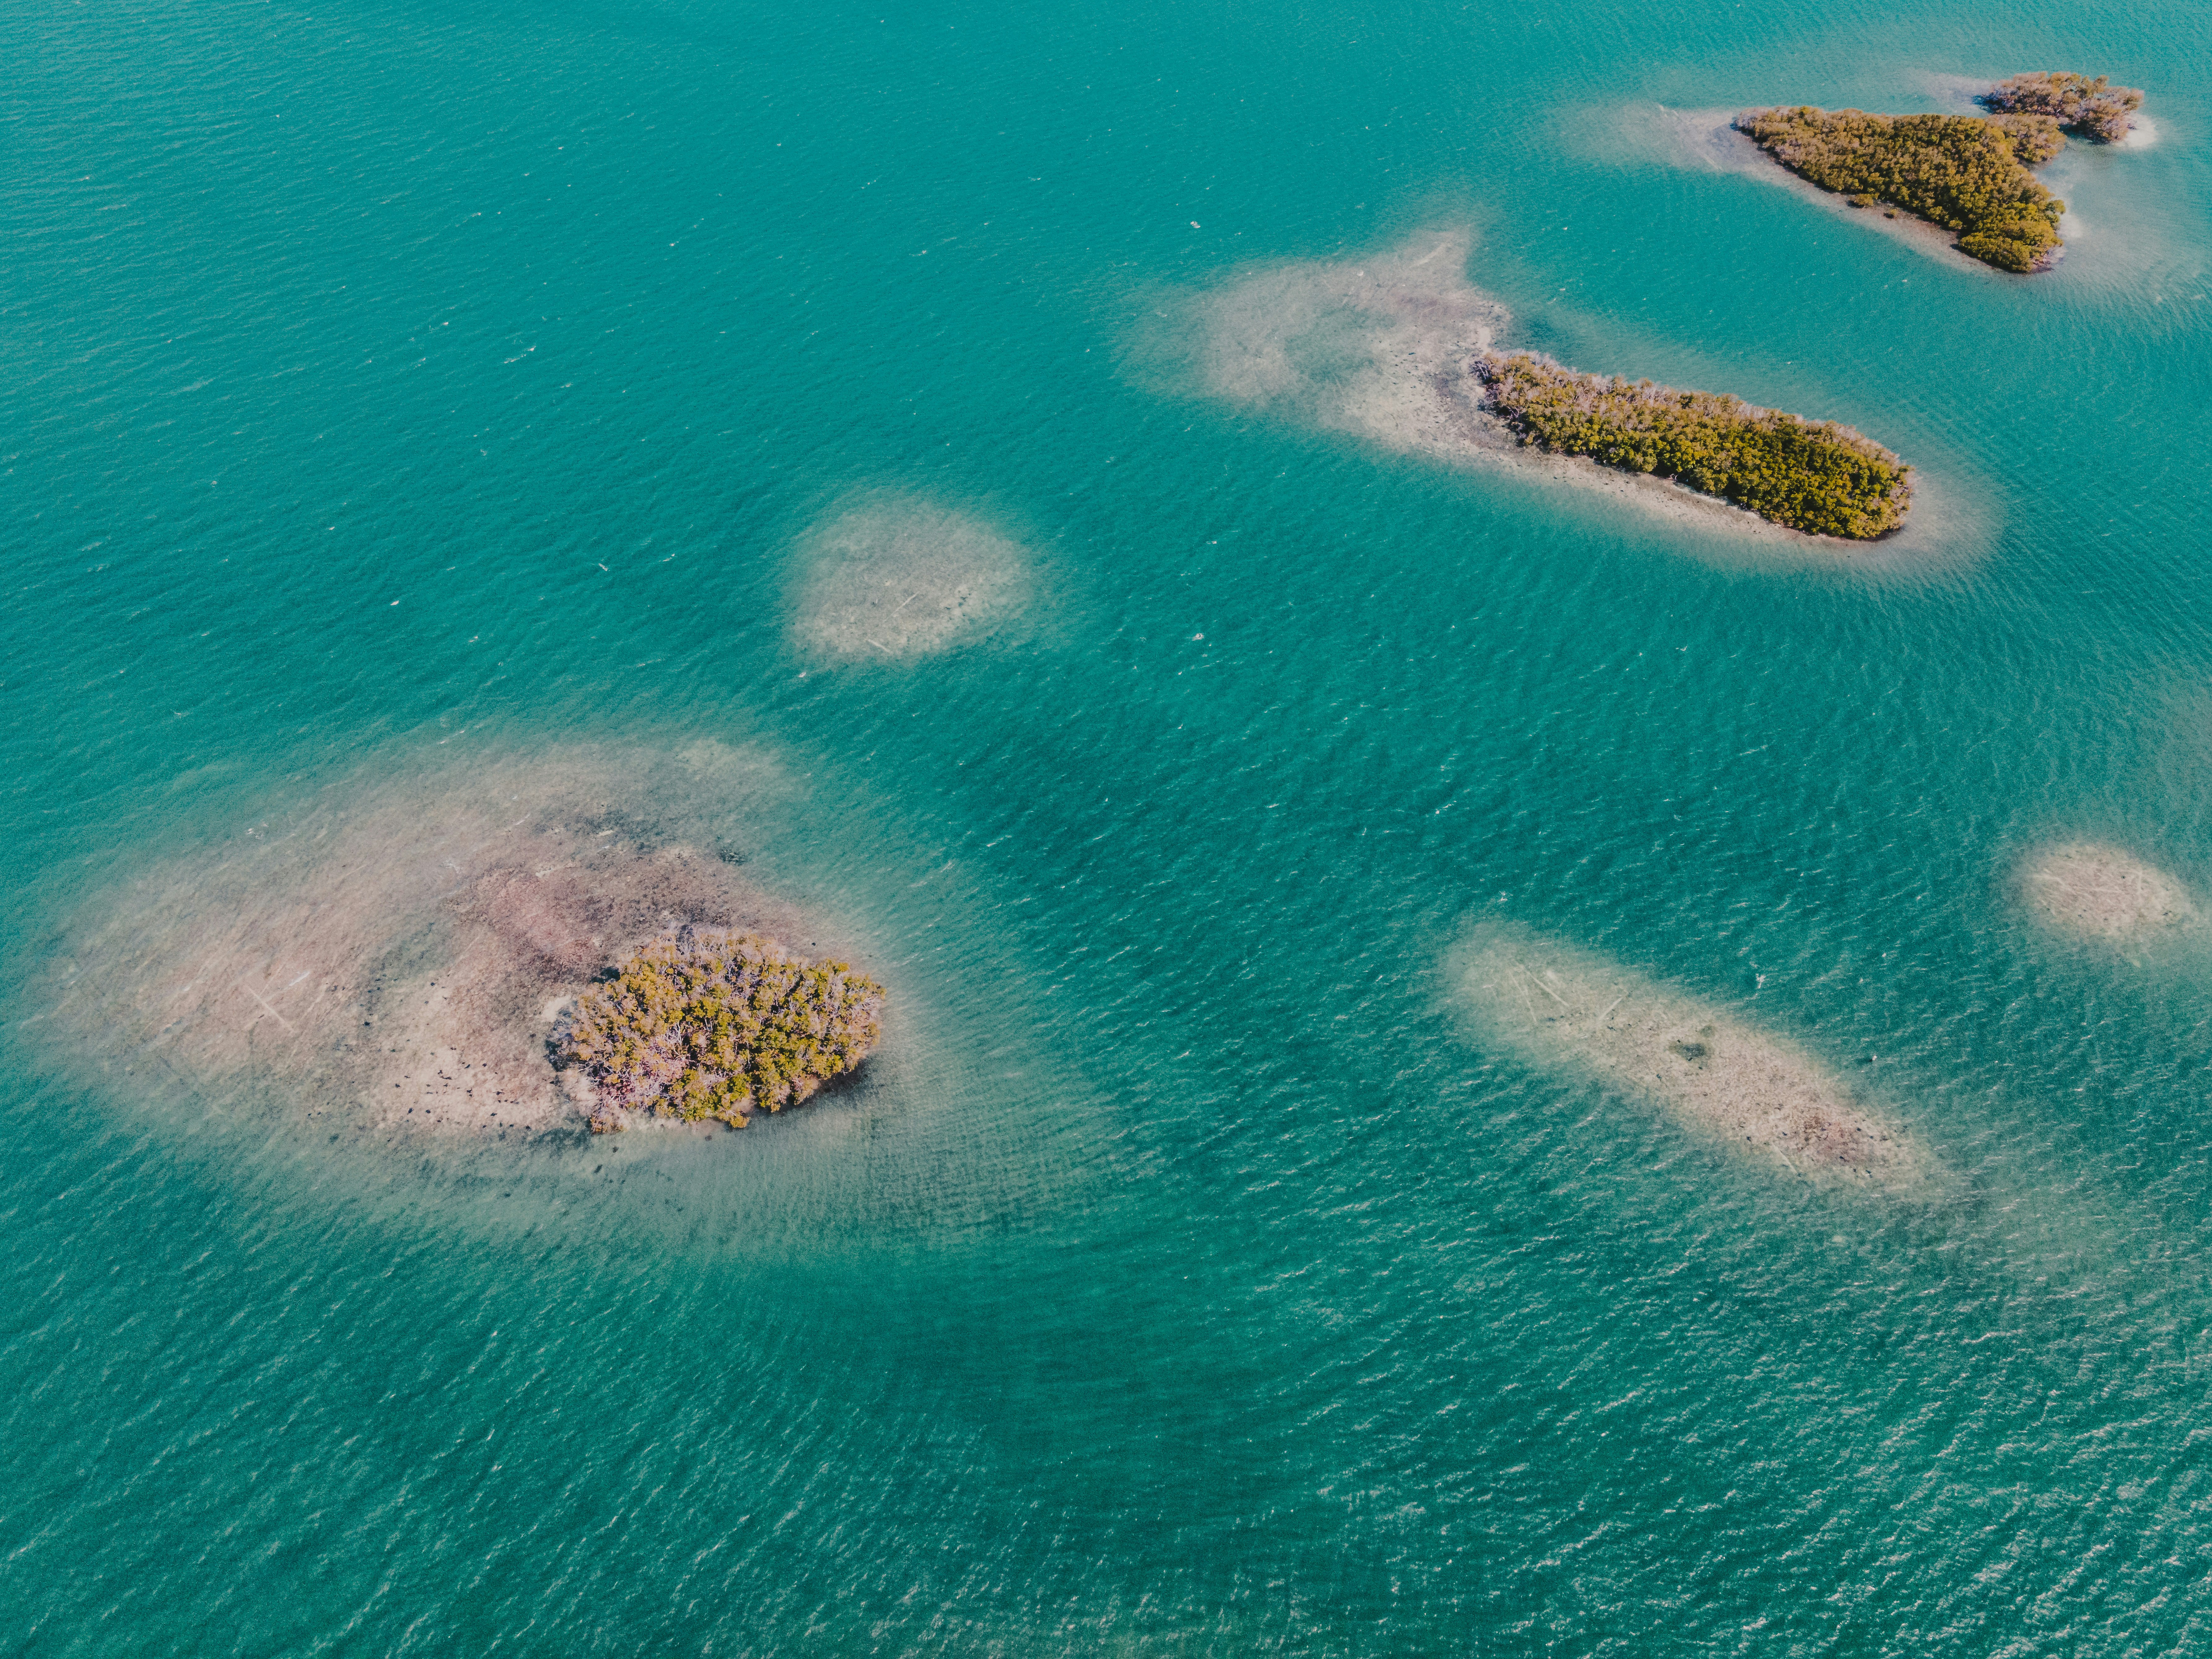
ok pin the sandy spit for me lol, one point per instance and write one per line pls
(1577, 1014)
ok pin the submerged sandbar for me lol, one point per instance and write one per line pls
(897, 576)
(2096, 891)
(1573, 1012)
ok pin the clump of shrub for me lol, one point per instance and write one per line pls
(2035, 138)
(710, 1024)
(2096, 109)
(1966, 172)
(1813, 476)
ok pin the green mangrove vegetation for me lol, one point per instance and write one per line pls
(2097, 109)
(1813, 476)
(715, 1025)
(1966, 172)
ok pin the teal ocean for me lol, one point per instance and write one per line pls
(396, 387)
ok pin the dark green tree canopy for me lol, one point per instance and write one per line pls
(1966, 172)
(1813, 476)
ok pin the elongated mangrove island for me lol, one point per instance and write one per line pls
(1967, 173)
(2095, 109)
(1810, 476)
(715, 1024)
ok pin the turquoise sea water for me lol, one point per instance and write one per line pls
(384, 385)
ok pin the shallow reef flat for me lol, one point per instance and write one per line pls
(393, 955)
(1390, 348)
(1570, 1011)
(2094, 891)
(895, 576)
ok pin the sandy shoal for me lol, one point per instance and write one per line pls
(1572, 1013)
(894, 575)
(2097, 892)
(393, 957)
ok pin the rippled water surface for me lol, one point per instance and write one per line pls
(390, 388)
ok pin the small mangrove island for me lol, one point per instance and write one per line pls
(517, 945)
(2095, 109)
(1810, 476)
(715, 1025)
(1966, 173)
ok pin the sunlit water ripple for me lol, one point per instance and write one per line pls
(393, 389)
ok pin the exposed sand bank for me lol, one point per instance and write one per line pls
(1569, 1010)
(393, 957)
(2097, 892)
(1382, 347)
(897, 576)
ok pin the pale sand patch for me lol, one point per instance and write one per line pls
(1382, 347)
(2097, 892)
(393, 957)
(1569, 1010)
(899, 576)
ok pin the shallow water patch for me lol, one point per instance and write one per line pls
(895, 576)
(1725, 1079)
